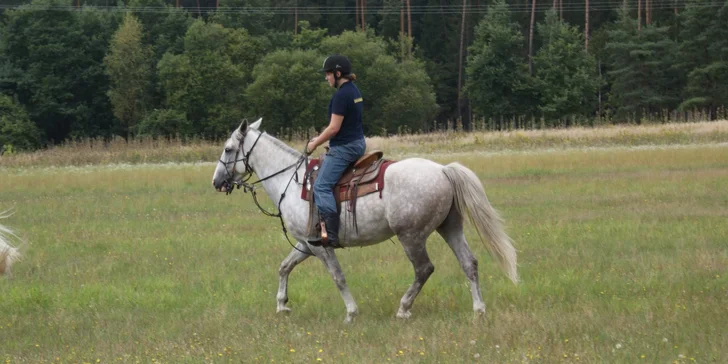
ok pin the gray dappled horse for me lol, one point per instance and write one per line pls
(419, 197)
(8, 253)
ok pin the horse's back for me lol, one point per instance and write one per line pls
(416, 172)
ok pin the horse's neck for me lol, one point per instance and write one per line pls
(268, 158)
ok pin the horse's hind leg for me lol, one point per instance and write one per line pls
(417, 254)
(328, 257)
(296, 256)
(452, 231)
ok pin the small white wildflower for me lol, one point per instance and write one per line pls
(664, 339)
(497, 346)
(681, 356)
(476, 356)
(472, 342)
(618, 346)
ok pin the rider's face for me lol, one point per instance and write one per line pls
(330, 78)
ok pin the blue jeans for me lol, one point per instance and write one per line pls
(337, 160)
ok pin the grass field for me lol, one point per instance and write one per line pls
(623, 251)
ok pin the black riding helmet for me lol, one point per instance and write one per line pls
(337, 62)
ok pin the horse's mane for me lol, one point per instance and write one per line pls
(283, 146)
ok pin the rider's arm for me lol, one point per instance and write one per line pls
(328, 133)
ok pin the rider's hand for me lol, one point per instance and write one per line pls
(310, 147)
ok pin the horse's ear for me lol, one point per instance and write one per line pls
(256, 124)
(240, 131)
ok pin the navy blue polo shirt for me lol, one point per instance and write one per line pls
(347, 101)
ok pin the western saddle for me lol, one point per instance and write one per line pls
(363, 177)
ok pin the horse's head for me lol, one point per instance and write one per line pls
(233, 164)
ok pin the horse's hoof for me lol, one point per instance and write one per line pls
(404, 314)
(350, 317)
(479, 316)
(283, 310)
(479, 309)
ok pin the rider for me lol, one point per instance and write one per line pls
(345, 135)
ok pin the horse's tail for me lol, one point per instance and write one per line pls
(470, 197)
(8, 253)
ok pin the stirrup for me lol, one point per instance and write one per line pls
(324, 239)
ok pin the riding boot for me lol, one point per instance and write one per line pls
(332, 229)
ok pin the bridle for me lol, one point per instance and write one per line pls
(230, 184)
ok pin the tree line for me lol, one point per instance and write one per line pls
(73, 69)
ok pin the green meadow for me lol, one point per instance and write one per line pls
(622, 240)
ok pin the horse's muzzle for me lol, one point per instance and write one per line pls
(221, 186)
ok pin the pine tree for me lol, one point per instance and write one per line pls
(438, 47)
(498, 82)
(704, 55)
(643, 70)
(565, 72)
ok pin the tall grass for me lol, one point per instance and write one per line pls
(622, 255)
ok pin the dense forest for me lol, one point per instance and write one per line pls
(75, 69)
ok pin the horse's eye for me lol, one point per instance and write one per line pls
(228, 150)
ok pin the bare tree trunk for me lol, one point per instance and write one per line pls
(530, 37)
(561, 9)
(444, 25)
(648, 12)
(295, 19)
(363, 17)
(639, 15)
(648, 4)
(401, 27)
(401, 19)
(586, 26)
(178, 3)
(409, 21)
(599, 66)
(460, 61)
(556, 3)
(470, 115)
(356, 9)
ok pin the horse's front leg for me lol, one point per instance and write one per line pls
(297, 255)
(328, 257)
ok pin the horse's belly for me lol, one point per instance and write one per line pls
(371, 225)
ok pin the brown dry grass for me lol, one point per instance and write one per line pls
(577, 137)
(146, 150)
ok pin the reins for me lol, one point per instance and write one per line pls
(253, 186)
